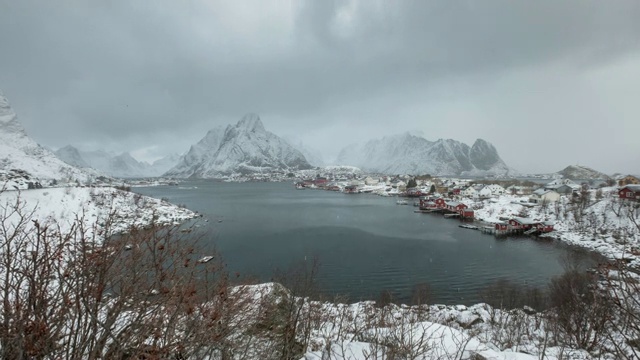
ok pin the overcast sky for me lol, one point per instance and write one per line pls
(549, 83)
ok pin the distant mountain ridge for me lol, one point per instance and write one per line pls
(410, 154)
(19, 154)
(243, 148)
(580, 172)
(123, 165)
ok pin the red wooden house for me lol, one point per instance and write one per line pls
(414, 192)
(320, 181)
(522, 223)
(455, 206)
(545, 226)
(502, 226)
(467, 213)
(630, 192)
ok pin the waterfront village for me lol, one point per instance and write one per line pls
(597, 215)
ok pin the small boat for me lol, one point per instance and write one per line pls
(205, 259)
(300, 186)
(402, 202)
(467, 226)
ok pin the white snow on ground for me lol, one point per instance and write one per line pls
(603, 225)
(94, 206)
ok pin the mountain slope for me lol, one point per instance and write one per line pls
(243, 148)
(581, 173)
(410, 154)
(122, 166)
(19, 152)
(72, 156)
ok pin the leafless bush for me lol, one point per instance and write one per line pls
(580, 311)
(68, 294)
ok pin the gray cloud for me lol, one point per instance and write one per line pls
(156, 75)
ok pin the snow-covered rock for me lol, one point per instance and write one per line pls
(410, 154)
(19, 152)
(243, 148)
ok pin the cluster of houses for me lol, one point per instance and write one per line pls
(431, 204)
(520, 225)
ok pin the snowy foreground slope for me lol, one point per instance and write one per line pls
(22, 160)
(93, 206)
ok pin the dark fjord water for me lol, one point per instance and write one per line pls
(365, 243)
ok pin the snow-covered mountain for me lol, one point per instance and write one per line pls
(244, 148)
(581, 173)
(19, 154)
(123, 165)
(313, 156)
(410, 154)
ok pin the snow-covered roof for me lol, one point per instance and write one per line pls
(632, 187)
(452, 203)
(525, 221)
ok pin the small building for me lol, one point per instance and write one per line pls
(495, 189)
(414, 192)
(545, 226)
(518, 190)
(470, 191)
(542, 195)
(455, 206)
(320, 181)
(371, 181)
(502, 226)
(440, 203)
(629, 180)
(565, 189)
(519, 223)
(467, 213)
(351, 189)
(630, 192)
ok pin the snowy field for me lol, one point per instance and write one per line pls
(93, 206)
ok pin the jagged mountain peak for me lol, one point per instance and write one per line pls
(18, 152)
(407, 153)
(8, 119)
(245, 147)
(250, 122)
(71, 155)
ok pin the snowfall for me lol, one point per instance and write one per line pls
(359, 331)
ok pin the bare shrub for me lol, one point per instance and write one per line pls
(581, 310)
(69, 294)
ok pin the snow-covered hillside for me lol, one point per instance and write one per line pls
(602, 222)
(123, 165)
(581, 173)
(19, 152)
(93, 206)
(410, 154)
(243, 148)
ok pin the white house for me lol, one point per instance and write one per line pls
(468, 192)
(490, 191)
(543, 195)
(371, 181)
